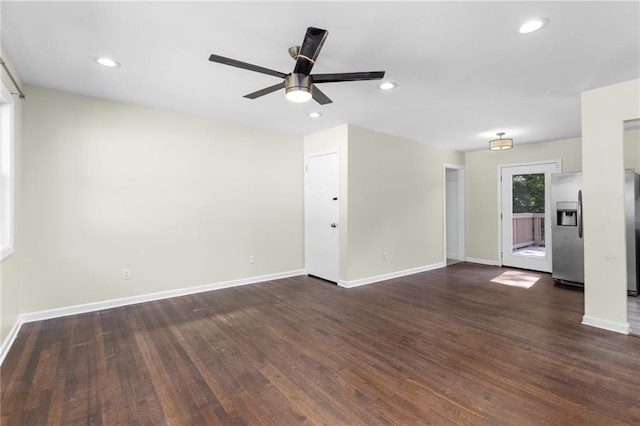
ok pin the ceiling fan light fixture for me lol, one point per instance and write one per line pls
(298, 87)
(500, 144)
(299, 95)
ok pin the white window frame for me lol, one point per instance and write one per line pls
(7, 169)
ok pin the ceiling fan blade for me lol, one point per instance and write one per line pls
(265, 91)
(320, 97)
(246, 66)
(310, 49)
(347, 76)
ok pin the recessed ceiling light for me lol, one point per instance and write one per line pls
(533, 25)
(315, 114)
(107, 62)
(387, 85)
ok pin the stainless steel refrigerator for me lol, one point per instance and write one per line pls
(568, 231)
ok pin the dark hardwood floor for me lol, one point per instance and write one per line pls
(442, 347)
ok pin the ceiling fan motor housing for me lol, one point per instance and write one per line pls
(295, 82)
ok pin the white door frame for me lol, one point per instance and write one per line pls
(557, 162)
(306, 199)
(462, 252)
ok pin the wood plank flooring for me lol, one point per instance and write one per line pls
(447, 346)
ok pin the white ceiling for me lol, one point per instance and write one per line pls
(463, 71)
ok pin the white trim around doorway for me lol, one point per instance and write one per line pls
(557, 162)
(462, 229)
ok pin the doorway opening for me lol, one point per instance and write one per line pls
(454, 214)
(631, 154)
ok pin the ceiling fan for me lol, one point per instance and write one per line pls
(300, 85)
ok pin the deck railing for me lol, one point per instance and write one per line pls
(528, 230)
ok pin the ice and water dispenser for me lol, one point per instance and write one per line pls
(567, 212)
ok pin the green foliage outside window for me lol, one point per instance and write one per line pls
(528, 193)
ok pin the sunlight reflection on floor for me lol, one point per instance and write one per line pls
(523, 279)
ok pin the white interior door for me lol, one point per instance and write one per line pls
(526, 215)
(322, 234)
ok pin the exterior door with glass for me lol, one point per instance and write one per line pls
(525, 219)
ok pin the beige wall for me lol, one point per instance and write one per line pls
(181, 201)
(334, 139)
(395, 203)
(10, 282)
(631, 148)
(392, 200)
(482, 188)
(603, 112)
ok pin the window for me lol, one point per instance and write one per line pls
(6, 172)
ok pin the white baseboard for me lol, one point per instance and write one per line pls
(11, 337)
(114, 303)
(389, 276)
(483, 261)
(618, 327)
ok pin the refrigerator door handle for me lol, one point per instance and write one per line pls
(579, 214)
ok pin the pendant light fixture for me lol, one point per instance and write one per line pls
(500, 144)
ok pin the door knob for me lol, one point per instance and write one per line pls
(334, 225)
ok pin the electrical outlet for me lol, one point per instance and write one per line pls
(385, 256)
(126, 273)
(252, 259)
